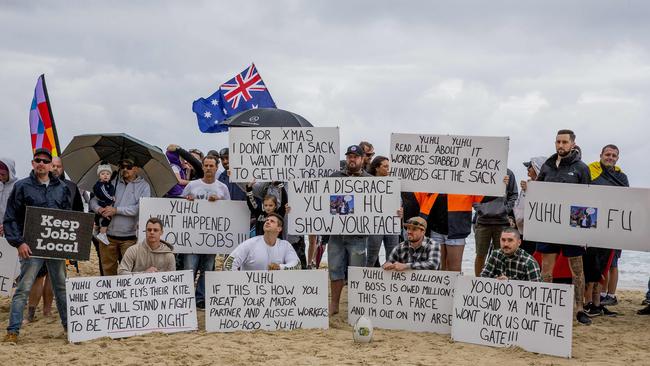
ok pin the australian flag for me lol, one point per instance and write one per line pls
(244, 91)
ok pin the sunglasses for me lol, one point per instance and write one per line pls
(44, 161)
(127, 166)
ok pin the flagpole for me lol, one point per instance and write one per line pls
(49, 108)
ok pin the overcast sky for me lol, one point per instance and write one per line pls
(518, 68)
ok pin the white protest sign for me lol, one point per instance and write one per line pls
(344, 206)
(124, 306)
(419, 301)
(8, 266)
(282, 153)
(536, 316)
(593, 215)
(450, 164)
(266, 300)
(198, 226)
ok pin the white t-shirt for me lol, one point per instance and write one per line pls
(255, 255)
(201, 190)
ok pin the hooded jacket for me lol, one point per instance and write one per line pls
(5, 188)
(30, 192)
(497, 210)
(127, 202)
(174, 158)
(536, 162)
(138, 258)
(570, 170)
(604, 177)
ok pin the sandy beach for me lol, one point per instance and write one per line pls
(609, 341)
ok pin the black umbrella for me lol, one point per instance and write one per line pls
(267, 117)
(85, 152)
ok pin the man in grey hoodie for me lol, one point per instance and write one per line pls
(129, 188)
(151, 255)
(7, 181)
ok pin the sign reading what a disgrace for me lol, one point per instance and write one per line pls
(449, 164)
(129, 305)
(8, 266)
(579, 214)
(282, 153)
(344, 206)
(63, 234)
(536, 316)
(266, 300)
(420, 301)
(198, 226)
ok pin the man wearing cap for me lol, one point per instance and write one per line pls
(129, 188)
(40, 189)
(417, 252)
(511, 262)
(346, 250)
(236, 193)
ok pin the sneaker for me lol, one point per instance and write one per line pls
(582, 318)
(10, 338)
(644, 311)
(103, 238)
(200, 304)
(606, 312)
(592, 310)
(609, 300)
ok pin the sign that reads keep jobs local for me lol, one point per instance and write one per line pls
(592, 215)
(282, 153)
(199, 226)
(344, 206)
(449, 164)
(52, 233)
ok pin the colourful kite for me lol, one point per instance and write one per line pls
(41, 121)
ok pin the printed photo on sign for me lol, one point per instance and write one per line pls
(342, 205)
(584, 217)
(59, 234)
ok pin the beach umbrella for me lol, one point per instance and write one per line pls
(267, 117)
(85, 152)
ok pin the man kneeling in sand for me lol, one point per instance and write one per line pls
(510, 262)
(264, 251)
(151, 255)
(417, 252)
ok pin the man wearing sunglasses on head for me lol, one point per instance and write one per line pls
(40, 189)
(121, 233)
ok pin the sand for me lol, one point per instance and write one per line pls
(609, 341)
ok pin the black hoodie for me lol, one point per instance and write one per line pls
(570, 170)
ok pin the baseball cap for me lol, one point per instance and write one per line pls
(416, 222)
(42, 150)
(354, 149)
(223, 152)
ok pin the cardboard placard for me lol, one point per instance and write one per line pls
(344, 206)
(198, 226)
(282, 153)
(8, 266)
(419, 301)
(450, 164)
(61, 234)
(266, 300)
(129, 305)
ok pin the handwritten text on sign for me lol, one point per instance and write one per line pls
(579, 214)
(198, 226)
(283, 153)
(449, 164)
(266, 300)
(537, 316)
(8, 266)
(124, 306)
(418, 301)
(344, 206)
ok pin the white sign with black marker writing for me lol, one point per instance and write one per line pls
(592, 215)
(198, 226)
(265, 300)
(124, 306)
(282, 153)
(8, 266)
(419, 301)
(450, 164)
(536, 316)
(344, 206)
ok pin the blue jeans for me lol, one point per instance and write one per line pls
(199, 263)
(344, 251)
(374, 245)
(28, 270)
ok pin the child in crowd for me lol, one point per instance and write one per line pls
(104, 190)
(269, 205)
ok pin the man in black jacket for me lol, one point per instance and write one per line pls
(40, 189)
(566, 166)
